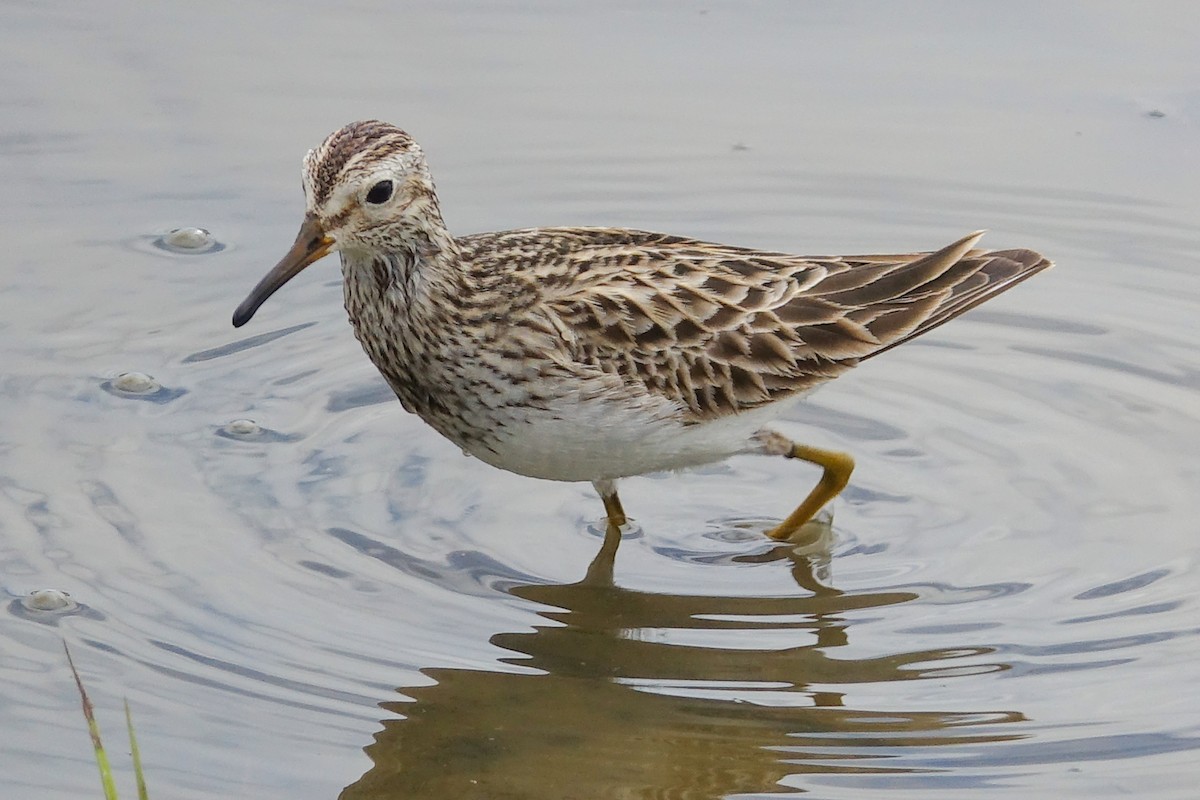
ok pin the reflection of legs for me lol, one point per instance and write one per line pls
(837, 468)
(600, 571)
(612, 504)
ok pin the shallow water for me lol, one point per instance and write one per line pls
(1007, 607)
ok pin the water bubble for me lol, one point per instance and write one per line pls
(248, 429)
(242, 427)
(49, 600)
(140, 386)
(189, 238)
(188, 241)
(135, 383)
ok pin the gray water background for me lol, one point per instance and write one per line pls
(1015, 563)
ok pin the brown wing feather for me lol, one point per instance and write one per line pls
(723, 329)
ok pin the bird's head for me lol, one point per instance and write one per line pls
(367, 189)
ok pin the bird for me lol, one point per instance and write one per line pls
(599, 353)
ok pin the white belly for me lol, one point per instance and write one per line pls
(607, 438)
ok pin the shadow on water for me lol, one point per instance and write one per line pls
(626, 703)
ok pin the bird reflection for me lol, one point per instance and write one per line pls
(638, 695)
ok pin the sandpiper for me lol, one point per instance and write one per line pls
(593, 354)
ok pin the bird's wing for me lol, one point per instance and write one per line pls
(722, 329)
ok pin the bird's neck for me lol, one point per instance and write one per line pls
(406, 303)
(412, 277)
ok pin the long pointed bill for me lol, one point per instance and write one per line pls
(311, 245)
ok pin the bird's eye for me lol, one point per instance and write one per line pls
(380, 193)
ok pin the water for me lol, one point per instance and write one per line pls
(279, 568)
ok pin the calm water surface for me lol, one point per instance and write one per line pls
(337, 602)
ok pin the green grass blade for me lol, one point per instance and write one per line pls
(137, 756)
(106, 778)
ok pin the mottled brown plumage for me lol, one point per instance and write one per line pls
(723, 329)
(598, 353)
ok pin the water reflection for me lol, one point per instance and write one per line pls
(634, 694)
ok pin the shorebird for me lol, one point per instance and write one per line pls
(594, 354)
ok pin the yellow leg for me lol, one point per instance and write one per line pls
(612, 503)
(837, 466)
(612, 508)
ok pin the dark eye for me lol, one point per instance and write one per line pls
(380, 193)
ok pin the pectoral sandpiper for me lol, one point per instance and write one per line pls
(593, 354)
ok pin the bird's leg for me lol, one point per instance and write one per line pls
(837, 468)
(607, 489)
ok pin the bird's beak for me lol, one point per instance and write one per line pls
(311, 245)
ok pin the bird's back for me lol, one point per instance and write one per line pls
(721, 329)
